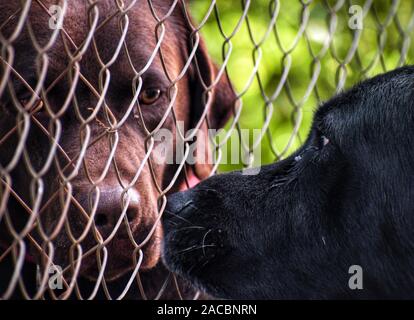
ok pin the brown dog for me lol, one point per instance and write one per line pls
(107, 69)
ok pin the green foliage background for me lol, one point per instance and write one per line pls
(387, 28)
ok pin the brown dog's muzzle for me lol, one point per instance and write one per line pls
(122, 226)
(110, 209)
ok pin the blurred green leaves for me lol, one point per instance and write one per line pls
(330, 60)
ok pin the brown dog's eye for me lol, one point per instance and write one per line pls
(149, 96)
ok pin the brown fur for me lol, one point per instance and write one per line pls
(131, 147)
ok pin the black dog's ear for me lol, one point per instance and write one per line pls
(213, 99)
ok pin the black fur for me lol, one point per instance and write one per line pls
(293, 230)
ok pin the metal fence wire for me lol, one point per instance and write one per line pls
(86, 86)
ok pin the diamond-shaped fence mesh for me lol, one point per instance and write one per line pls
(89, 90)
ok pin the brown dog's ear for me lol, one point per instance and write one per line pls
(206, 74)
(213, 98)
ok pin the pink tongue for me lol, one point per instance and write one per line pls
(192, 181)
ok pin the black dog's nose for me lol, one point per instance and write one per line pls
(176, 202)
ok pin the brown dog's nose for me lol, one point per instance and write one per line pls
(110, 207)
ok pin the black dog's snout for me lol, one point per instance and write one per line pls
(179, 205)
(177, 202)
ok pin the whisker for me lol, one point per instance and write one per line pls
(187, 249)
(205, 262)
(177, 216)
(208, 190)
(189, 203)
(195, 247)
(192, 206)
(172, 222)
(281, 182)
(198, 266)
(204, 240)
(187, 228)
(193, 267)
(208, 246)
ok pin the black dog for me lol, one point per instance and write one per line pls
(294, 230)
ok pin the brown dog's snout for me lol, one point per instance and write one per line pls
(111, 204)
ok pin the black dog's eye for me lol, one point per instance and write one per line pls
(323, 141)
(149, 96)
(320, 140)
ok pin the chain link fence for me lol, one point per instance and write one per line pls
(86, 88)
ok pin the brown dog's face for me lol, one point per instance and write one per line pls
(107, 99)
